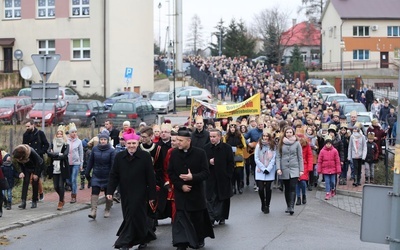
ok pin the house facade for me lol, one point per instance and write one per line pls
(97, 41)
(366, 31)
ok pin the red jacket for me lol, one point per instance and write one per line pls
(307, 161)
(329, 161)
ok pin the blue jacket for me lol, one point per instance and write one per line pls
(253, 134)
(101, 161)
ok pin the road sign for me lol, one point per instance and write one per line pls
(50, 94)
(375, 214)
(128, 75)
(45, 64)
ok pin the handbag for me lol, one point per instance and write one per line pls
(4, 184)
(238, 158)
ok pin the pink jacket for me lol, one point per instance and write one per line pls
(329, 161)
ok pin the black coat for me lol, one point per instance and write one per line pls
(221, 172)
(36, 140)
(135, 177)
(101, 160)
(34, 165)
(200, 139)
(194, 159)
(64, 165)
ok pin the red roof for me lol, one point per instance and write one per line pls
(302, 34)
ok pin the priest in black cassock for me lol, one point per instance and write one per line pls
(188, 169)
(219, 184)
(133, 172)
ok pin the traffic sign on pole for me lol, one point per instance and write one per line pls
(45, 64)
(128, 74)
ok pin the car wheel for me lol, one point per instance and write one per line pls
(14, 120)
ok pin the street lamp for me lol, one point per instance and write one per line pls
(159, 25)
(172, 53)
(342, 48)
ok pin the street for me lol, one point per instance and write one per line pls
(316, 225)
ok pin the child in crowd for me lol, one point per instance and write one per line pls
(371, 158)
(329, 166)
(10, 173)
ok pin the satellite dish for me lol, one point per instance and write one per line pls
(26, 73)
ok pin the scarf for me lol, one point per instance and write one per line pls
(57, 146)
(357, 141)
(265, 156)
(290, 140)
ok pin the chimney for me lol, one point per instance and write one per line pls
(294, 21)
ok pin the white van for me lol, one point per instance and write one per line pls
(64, 93)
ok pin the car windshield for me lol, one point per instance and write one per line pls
(122, 106)
(7, 103)
(159, 97)
(350, 107)
(336, 97)
(361, 118)
(117, 94)
(47, 106)
(327, 90)
(76, 107)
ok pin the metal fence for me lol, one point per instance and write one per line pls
(207, 81)
(388, 162)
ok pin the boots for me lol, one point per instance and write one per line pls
(108, 207)
(82, 185)
(366, 179)
(304, 200)
(73, 198)
(371, 180)
(287, 199)
(34, 204)
(8, 205)
(60, 205)
(1, 207)
(93, 201)
(23, 204)
(298, 201)
(291, 205)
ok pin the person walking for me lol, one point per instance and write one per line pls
(356, 153)
(133, 170)
(75, 158)
(10, 173)
(100, 161)
(219, 184)
(264, 157)
(289, 164)
(59, 167)
(31, 164)
(329, 165)
(188, 169)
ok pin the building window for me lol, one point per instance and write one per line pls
(86, 83)
(46, 8)
(72, 83)
(360, 30)
(361, 54)
(81, 49)
(80, 8)
(12, 9)
(397, 53)
(47, 47)
(334, 32)
(393, 31)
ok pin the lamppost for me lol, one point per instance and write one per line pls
(342, 48)
(172, 52)
(159, 25)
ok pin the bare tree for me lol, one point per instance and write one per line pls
(313, 9)
(195, 37)
(270, 24)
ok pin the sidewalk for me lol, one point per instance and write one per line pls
(46, 209)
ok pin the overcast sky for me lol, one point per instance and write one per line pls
(211, 11)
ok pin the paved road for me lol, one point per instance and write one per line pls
(317, 225)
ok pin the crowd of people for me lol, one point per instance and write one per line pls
(189, 172)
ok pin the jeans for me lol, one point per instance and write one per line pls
(240, 98)
(345, 169)
(369, 169)
(330, 180)
(74, 176)
(7, 194)
(301, 185)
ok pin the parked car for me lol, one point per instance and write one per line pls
(162, 101)
(133, 110)
(334, 97)
(317, 82)
(325, 90)
(13, 109)
(64, 93)
(199, 94)
(120, 95)
(359, 107)
(84, 113)
(53, 112)
(179, 89)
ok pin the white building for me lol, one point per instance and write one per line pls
(97, 41)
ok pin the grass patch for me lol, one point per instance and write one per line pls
(380, 173)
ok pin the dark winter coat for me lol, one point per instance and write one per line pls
(180, 162)
(372, 152)
(345, 143)
(101, 161)
(64, 165)
(36, 140)
(9, 172)
(337, 143)
(200, 139)
(220, 180)
(135, 177)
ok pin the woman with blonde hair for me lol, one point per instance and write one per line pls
(59, 166)
(264, 157)
(289, 164)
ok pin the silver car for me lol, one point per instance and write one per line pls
(198, 94)
(162, 101)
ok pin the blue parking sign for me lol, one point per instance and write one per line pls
(128, 73)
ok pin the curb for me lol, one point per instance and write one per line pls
(321, 187)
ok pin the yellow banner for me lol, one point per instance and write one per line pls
(249, 107)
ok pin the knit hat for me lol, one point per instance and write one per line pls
(104, 134)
